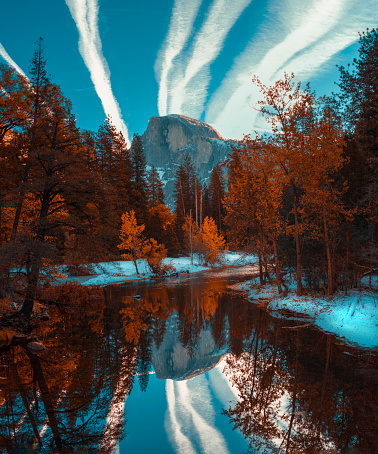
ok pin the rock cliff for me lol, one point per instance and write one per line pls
(167, 140)
(172, 360)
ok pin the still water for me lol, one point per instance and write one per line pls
(184, 366)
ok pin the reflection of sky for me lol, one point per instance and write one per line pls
(181, 416)
(133, 60)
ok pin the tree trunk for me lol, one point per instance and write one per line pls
(260, 269)
(24, 399)
(330, 286)
(297, 245)
(36, 255)
(20, 202)
(31, 289)
(277, 266)
(294, 399)
(46, 398)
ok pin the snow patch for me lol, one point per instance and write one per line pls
(352, 317)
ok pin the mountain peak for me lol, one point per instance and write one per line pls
(169, 139)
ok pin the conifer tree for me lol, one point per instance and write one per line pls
(116, 167)
(217, 190)
(155, 189)
(358, 106)
(138, 159)
(185, 195)
(39, 91)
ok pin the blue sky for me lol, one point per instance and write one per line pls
(136, 59)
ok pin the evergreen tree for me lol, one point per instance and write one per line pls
(357, 102)
(161, 226)
(185, 195)
(155, 189)
(138, 159)
(116, 167)
(217, 190)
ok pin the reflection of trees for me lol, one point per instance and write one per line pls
(143, 321)
(259, 381)
(297, 394)
(63, 395)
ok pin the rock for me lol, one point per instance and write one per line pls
(45, 317)
(6, 336)
(35, 347)
(167, 140)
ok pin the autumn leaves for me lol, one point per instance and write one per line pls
(204, 240)
(284, 182)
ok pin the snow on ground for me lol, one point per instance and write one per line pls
(120, 271)
(353, 317)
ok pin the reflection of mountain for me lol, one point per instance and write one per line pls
(172, 360)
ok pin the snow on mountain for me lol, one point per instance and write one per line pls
(167, 140)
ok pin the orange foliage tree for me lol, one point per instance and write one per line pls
(131, 238)
(306, 151)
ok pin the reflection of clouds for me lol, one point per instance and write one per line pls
(85, 15)
(173, 426)
(115, 419)
(222, 386)
(190, 417)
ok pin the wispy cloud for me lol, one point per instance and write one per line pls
(189, 89)
(180, 441)
(193, 399)
(180, 27)
(183, 85)
(85, 15)
(4, 54)
(312, 37)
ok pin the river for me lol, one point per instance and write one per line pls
(184, 365)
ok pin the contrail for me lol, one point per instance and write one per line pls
(210, 438)
(182, 443)
(322, 31)
(189, 90)
(85, 15)
(10, 61)
(180, 27)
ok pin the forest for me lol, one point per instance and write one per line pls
(303, 197)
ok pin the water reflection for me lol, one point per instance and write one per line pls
(285, 388)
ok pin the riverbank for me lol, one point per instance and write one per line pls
(352, 317)
(124, 270)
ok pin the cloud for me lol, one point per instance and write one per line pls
(184, 74)
(4, 54)
(195, 400)
(180, 27)
(297, 51)
(181, 442)
(189, 89)
(85, 15)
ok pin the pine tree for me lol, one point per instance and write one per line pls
(185, 195)
(40, 109)
(217, 190)
(155, 189)
(140, 198)
(358, 106)
(58, 186)
(116, 168)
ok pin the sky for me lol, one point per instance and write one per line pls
(136, 59)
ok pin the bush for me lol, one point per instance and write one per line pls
(155, 254)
